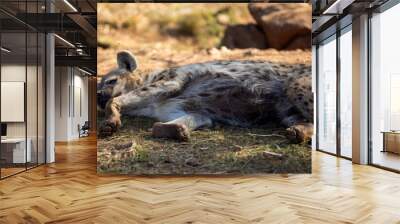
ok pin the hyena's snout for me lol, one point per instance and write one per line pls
(102, 99)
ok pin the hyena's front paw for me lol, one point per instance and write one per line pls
(175, 131)
(109, 127)
(301, 132)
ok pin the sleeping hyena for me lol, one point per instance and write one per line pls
(233, 92)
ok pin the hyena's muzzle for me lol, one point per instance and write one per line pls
(103, 96)
(102, 99)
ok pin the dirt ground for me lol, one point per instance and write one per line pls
(219, 150)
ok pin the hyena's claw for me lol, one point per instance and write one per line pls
(105, 131)
(174, 131)
(109, 127)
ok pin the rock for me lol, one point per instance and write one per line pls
(224, 50)
(167, 160)
(126, 145)
(300, 42)
(213, 51)
(192, 162)
(300, 133)
(273, 155)
(282, 22)
(223, 19)
(244, 36)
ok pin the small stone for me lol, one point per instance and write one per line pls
(273, 155)
(123, 145)
(192, 162)
(224, 49)
(223, 19)
(213, 51)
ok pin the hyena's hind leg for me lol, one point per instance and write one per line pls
(296, 111)
(180, 128)
(301, 132)
(298, 127)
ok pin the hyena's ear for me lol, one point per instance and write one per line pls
(127, 61)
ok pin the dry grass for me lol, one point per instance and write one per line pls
(221, 150)
(194, 25)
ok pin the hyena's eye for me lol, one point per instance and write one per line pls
(111, 81)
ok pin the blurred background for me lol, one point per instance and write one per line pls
(165, 35)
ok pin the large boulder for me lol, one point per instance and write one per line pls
(244, 36)
(283, 23)
(300, 42)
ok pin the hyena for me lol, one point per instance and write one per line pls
(233, 92)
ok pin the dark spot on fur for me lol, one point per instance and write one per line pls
(236, 94)
(233, 70)
(257, 71)
(225, 117)
(204, 94)
(159, 78)
(192, 105)
(222, 88)
(248, 75)
(210, 111)
(292, 111)
(219, 75)
(172, 75)
(226, 110)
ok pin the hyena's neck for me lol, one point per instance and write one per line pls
(133, 82)
(136, 81)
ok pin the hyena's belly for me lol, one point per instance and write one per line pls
(234, 101)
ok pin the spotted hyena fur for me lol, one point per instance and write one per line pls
(233, 92)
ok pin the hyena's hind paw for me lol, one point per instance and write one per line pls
(172, 130)
(301, 133)
(109, 127)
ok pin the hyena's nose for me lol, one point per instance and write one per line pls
(102, 99)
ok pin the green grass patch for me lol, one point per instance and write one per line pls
(105, 42)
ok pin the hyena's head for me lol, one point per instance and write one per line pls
(119, 80)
